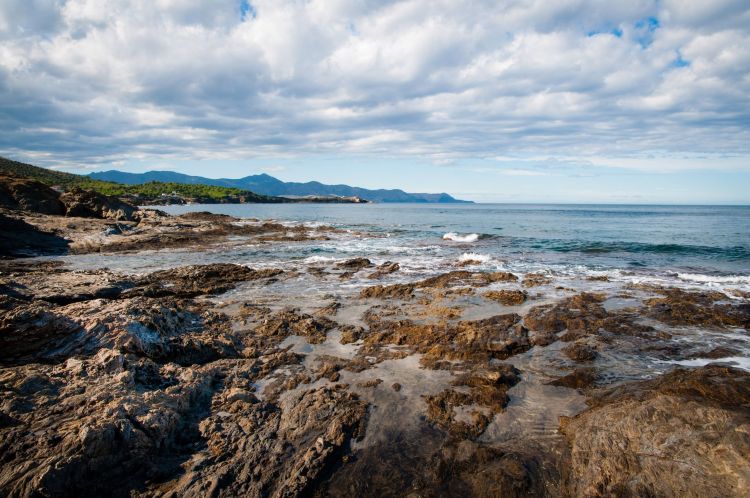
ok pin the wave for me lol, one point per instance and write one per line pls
(455, 237)
(714, 279)
(472, 256)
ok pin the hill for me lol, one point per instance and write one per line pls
(156, 192)
(268, 185)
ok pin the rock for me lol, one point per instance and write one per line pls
(189, 281)
(487, 388)
(384, 269)
(535, 280)
(682, 434)
(444, 281)
(580, 378)
(580, 352)
(507, 297)
(21, 239)
(355, 264)
(292, 322)
(680, 307)
(90, 204)
(29, 195)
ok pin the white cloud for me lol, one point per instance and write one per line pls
(569, 80)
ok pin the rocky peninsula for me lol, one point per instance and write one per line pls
(222, 380)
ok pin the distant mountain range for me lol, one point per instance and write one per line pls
(267, 185)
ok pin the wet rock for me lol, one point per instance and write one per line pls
(330, 309)
(487, 390)
(535, 280)
(292, 322)
(679, 307)
(355, 264)
(384, 269)
(580, 378)
(395, 291)
(444, 281)
(580, 352)
(189, 281)
(90, 204)
(507, 297)
(351, 333)
(579, 315)
(370, 383)
(682, 434)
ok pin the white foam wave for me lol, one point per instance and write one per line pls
(319, 259)
(455, 237)
(714, 279)
(472, 256)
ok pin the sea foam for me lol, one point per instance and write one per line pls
(455, 237)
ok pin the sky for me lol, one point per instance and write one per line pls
(645, 101)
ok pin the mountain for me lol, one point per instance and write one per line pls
(267, 185)
(165, 191)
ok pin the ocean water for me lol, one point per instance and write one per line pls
(691, 243)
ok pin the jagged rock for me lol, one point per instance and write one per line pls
(20, 239)
(265, 450)
(355, 264)
(444, 281)
(535, 280)
(580, 352)
(507, 297)
(189, 281)
(384, 269)
(29, 195)
(90, 204)
(487, 389)
(292, 322)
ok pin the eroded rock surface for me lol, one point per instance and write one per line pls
(683, 434)
(166, 384)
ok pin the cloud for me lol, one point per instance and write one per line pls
(85, 83)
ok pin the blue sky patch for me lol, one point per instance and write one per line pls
(247, 10)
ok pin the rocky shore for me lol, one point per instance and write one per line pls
(217, 380)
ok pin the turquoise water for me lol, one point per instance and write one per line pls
(702, 241)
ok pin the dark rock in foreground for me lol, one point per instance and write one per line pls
(18, 239)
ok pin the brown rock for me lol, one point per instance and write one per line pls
(682, 434)
(90, 204)
(507, 297)
(580, 352)
(355, 264)
(29, 195)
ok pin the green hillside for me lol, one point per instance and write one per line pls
(143, 193)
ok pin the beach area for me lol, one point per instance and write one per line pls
(379, 350)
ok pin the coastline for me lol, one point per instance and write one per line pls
(148, 361)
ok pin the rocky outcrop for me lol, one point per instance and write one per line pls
(19, 239)
(90, 204)
(682, 434)
(29, 195)
(443, 281)
(507, 297)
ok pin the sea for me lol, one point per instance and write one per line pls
(703, 246)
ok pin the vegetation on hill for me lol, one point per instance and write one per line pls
(159, 192)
